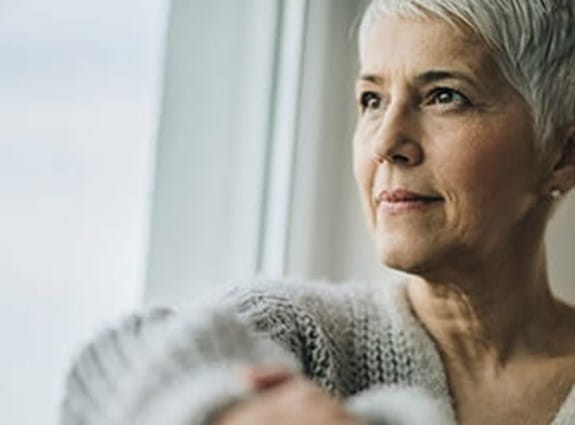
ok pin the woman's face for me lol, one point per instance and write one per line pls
(438, 119)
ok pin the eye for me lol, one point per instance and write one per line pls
(447, 96)
(370, 101)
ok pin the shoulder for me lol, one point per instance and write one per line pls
(320, 296)
(293, 301)
(297, 304)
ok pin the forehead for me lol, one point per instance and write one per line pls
(414, 45)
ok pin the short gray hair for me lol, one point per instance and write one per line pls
(533, 42)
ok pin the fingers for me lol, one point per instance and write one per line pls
(286, 398)
(263, 379)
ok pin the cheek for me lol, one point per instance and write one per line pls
(487, 179)
(498, 164)
(468, 174)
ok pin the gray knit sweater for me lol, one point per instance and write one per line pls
(358, 341)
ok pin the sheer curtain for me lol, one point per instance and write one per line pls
(79, 84)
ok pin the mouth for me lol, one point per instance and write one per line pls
(402, 200)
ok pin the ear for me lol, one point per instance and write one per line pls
(563, 173)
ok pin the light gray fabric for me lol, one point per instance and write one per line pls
(358, 341)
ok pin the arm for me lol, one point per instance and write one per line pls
(289, 399)
(399, 405)
(168, 370)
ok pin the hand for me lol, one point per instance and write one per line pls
(286, 399)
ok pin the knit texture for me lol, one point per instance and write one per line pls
(358, 341)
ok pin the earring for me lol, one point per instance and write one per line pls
(556, 193)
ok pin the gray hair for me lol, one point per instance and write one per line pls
(533, 42)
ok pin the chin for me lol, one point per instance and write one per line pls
(413, 258)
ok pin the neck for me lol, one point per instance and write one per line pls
(484, 318)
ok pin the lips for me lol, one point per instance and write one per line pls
(403, 195)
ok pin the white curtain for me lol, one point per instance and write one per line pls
(79, 83)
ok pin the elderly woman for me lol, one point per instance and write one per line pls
(465, 144)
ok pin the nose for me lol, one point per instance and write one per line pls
(397, 140)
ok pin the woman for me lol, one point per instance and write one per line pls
(465, 145)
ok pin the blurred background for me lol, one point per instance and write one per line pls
(151, 150)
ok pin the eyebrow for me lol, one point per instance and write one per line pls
(424, 78)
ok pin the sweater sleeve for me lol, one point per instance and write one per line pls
(399, 405)
(164, 368)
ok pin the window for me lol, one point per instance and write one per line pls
(254, 151)
(80, 82)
